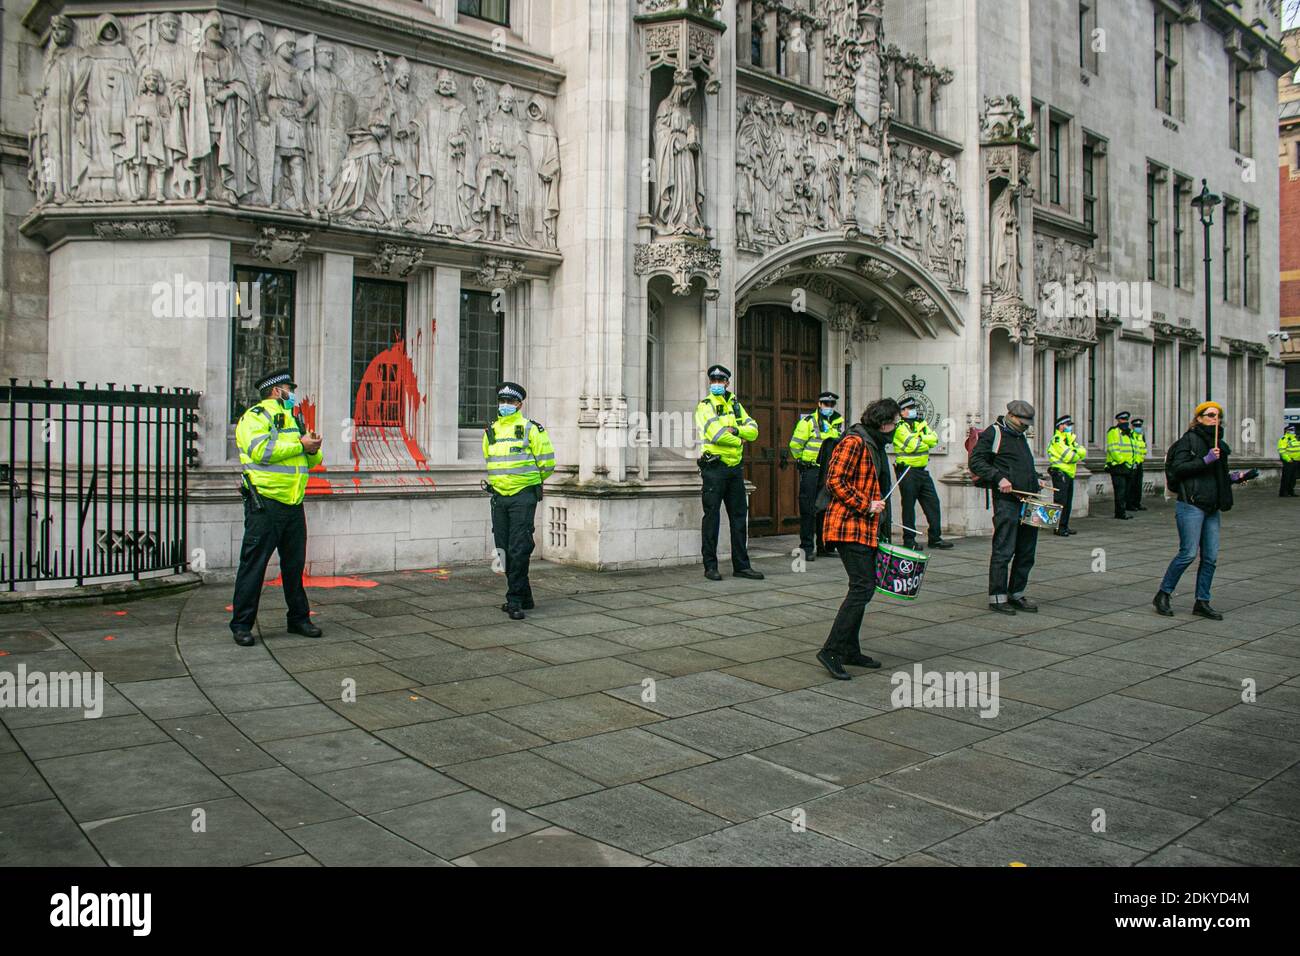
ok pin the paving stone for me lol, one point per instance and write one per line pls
(567, 650)
(725, 732)
(919, 859)
(741, 788)
(277, 723)
(1280, 796)
(1227, 675)
(887, 823)
(384, 786)
(113, 783)
(1175, 855)
(330, 751)
(1126, 821)
(781, 673)
(460, 665)
(572, 717)
(233, 698)
(315, 657)
(396, 708)
(42, 834)
(1283, 697)
(1172, 784)
(1107, 668)
(217, 743)
(1064, 641)
(169, 697)
(657, 636)
(549, 847)
(522, 779)
(392, 626)
(505, 631)
(766, 841)
(358, 842)
(21, 781)
(285, 798)
(806, 710)
(1014, 838)
(1184, 694)
(751, 647)
(679, 696)
(356, 679)
(1061, 746)
(674, 661)
(1056, 689)
(585, 677)
(632, 817)
(624, 756)
(650, 614)
(1232, 750)
(459, 739)
(973, 783)
(920, 730)
(458, 824)
(841, 757)
(481, 694)
(1263, 721)
(1246, 836)
(74, 737)
(577, 625)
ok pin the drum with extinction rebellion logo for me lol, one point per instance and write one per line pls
(899, 571)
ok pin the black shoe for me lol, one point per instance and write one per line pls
(305, 628)
(712, 574)
(245, 639)
(1204, 610)
(1002, 608)
(515, 612)
(1138, 508)
(1062, 532)
(748, 573)
(1161, 602)
(1071, 531)
(910, 545)
(941, 545)
(826, 553)
(810, 556)
(1123, 517)
(526, 606)
(1023, 604)
(831, 661)
(859, 659)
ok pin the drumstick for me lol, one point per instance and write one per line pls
(895, 484)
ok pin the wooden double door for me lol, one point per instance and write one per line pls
(778, 378)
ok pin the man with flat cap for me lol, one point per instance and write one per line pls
(276, 452)
(1003, 461)
(519, 457)
(1063, 456)
(810, 432)
(1121, 461)
(913, 440)
(723, 426)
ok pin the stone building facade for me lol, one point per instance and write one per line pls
(409, 200)
(1288, 187)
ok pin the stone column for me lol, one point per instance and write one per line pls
(442, 388)
(323, 347)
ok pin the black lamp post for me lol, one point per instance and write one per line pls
(1205, 204)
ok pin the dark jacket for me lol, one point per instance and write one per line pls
(1209, 487)
(1014, 460)
(884, 474)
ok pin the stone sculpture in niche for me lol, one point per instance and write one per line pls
(677, 157)
(52, 142)
(286, 102)
(447, 182)
(102, 101)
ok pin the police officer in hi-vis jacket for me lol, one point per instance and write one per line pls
(1063, 455)
(723, 426)
(810, 432)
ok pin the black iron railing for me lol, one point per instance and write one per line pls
(94, 481)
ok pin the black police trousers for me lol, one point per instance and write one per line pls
(1135, 480)
(1290, 469)
(919, 486)
(810, 522)
(724, 484)
(278, 527)
(1014, 544)
(512, 531)
(1120, 476)
(1063, 496)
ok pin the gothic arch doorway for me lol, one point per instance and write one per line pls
(779, 368)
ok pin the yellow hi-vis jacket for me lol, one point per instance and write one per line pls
(270, 449)
(518, 453)
(809, 433)
(913, 441)
(713, 416)
(1288, 447)
(1140, 441)
(1121, 449)
(1065, 452)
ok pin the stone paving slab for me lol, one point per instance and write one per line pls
(651, 717)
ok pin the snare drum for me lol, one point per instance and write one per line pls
(1040, 513)
(899, 571)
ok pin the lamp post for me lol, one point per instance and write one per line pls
(1205, 203)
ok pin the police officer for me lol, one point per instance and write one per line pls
(519, 457)
(723, 426)
(1140, 455)
(810, 431)
(913, 439)
(276, 452)
(1063, 455)
(1121, 454)
(1288, 449)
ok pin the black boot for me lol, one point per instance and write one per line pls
(1204, 610)
(831, 661)
(1161, 603)
(305, 628)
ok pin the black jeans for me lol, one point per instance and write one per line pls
(1119, 479)
(860, 563)
(724, 484)
(810, 522)
(1063, 496)
(278, 527)
(1014, 544)
(919, 486)
(512, 533)
(1290, 469)
(1135, 479)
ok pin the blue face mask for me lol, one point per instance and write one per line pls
(1067, 428)
(505, 411)
(828, 412)
(1138, 429)
(717, 389)
(289, 400)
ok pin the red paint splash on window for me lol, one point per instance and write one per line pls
(316, 485)
(387, 409)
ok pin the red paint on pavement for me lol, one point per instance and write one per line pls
(327, 581)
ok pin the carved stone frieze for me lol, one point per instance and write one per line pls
(499, 272)
(135, 229)
(1065, 283)
(280, 247)
(396, 259)
(921, 301)
(682, 260)
(1016, 318)
(876, 270)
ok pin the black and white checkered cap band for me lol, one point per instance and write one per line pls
(281, 378)
(508, 392)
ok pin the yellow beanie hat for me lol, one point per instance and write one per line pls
(1204, 405)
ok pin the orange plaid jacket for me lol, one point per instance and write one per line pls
(853, 483)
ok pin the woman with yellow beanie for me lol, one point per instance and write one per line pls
(1196, 469)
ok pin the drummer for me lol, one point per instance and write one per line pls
(1003, 459)
(857, 522)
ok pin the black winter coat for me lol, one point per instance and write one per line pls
(1014, 460)
(1209, 487)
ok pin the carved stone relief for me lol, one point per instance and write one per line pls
(182, 107)
(682, 260)
(280, 247)
(1065, 285)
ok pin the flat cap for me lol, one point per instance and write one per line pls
(1021, 409)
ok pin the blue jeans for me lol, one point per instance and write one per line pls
(1196, 530)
